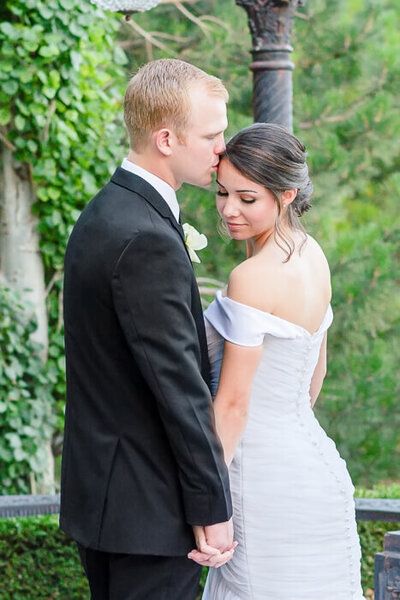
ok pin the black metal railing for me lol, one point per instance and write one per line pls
(377, 509)
(367, 509)
(28, 506)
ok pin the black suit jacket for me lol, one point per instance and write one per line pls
(141, 460)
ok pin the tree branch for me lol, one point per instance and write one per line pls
(149, 38)
(60, 311)
(192, 17)
(56, 277)
(7, 142)
(52, 109)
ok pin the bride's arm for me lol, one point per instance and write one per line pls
(231, 403)
(319, 373)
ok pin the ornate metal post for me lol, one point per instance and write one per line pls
(271, 24)
(387, 568)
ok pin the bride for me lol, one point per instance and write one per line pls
(294, 515)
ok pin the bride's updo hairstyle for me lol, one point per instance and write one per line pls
(271, 156)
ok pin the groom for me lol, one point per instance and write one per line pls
(142, 464)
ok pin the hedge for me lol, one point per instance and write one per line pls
(37, 561)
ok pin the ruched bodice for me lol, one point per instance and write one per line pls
(292, 494)
(289, 357)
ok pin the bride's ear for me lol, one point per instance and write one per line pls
(162, 140)
(288, 196)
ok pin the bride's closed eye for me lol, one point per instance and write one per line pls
(224, 194)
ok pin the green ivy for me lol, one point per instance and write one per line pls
(61, 91)
(26, 416)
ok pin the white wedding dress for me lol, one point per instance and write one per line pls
(294, 515)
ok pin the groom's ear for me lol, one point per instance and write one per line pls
(163, 141)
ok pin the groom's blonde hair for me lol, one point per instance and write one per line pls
(158, 96)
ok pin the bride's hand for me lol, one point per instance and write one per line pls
(207, 555)
(215, 561)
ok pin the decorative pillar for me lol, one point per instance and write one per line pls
(271, 23)
(387, 568)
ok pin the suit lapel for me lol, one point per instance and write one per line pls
(136, 184)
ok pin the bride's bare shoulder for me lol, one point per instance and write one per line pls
(264, 281)
(247, 284)
(315, 251)
(312, 244)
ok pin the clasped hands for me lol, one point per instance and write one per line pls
(215, 545)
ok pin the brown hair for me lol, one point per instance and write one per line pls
(158, 96)
(271, 156)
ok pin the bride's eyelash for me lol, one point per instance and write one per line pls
(224, 194)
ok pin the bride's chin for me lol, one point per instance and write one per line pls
(237, 236)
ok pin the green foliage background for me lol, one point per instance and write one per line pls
(346, 111)
(26, 404)
(61, 94)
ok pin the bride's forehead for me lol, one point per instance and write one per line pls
(230, 177)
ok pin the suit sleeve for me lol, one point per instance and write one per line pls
(152, 296)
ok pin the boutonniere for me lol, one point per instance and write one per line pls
(194, 241)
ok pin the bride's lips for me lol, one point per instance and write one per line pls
(235, 225)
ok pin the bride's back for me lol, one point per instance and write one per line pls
(298, 290)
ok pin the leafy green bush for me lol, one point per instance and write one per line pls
(26, 416)
(37, 561)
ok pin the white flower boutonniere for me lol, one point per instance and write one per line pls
(194, 241)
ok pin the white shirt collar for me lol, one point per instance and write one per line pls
(163, 188)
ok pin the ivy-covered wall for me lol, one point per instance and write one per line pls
(61, 91)
(26, 408)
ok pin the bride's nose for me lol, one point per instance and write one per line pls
(231, 208)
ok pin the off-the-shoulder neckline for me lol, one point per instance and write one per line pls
(275, 317)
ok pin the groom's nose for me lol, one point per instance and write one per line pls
(220, 144)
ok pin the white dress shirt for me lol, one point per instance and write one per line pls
(163, 188)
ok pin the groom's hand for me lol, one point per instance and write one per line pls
(206, 554)
(220, 535)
